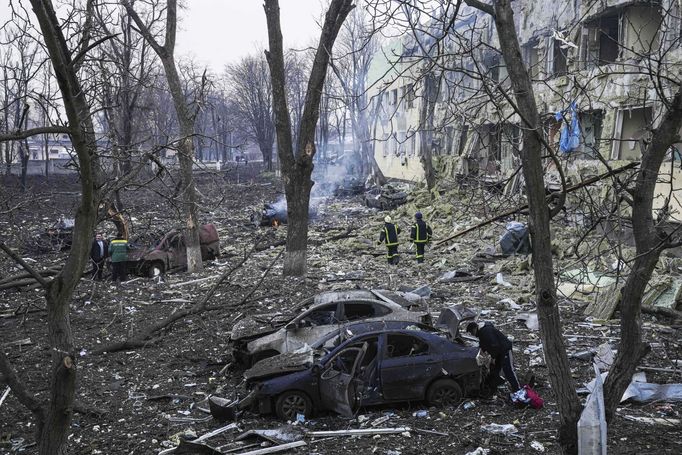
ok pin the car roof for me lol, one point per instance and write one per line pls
(363, 327)
(433, 337)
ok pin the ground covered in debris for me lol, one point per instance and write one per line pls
(151, 395)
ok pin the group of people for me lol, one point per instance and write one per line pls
(420, 235)
(117, 253)
(492, 342)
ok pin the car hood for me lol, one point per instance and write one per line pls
(260, 324)
(281, 364)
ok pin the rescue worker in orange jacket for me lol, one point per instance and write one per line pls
(420, 234)
(389, 234)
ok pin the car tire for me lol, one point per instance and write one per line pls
(290, 404)
(444, 392)
(155, 269)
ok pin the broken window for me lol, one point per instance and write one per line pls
(601, 40)
(627, 32)
(641, 25)
(355, 311)
(405, 345)
(409, 96)
(559, 60)
(532, 59)
(590, 129)
(324, 315)
(632, 133)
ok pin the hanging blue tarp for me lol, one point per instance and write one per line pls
(570, 132)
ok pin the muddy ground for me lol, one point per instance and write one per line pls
(148, 395)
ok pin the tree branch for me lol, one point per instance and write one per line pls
(39, 278)
(479, 5)
(23, 134)
(9, 377)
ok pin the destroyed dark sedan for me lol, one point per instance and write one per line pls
(388, 366)
(306, 356)
(266, 335)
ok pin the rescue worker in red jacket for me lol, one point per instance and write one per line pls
(420, 234)
(389, 234)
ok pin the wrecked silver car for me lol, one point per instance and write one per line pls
(266, 335)
(370, 369)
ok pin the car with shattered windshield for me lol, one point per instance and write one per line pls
(306, 356)
(375, 368)
(265, 335)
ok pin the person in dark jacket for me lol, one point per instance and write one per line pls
(118, 250)
(420, 234)
(498, 346)
(389, 234)
(99, 251)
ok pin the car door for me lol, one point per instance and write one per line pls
(407, 366)
(338, 383)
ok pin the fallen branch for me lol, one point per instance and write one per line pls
(146, 336)
(200, 280)
(9, 377)
(38, 277)
(570, 189)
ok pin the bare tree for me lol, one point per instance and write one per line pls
(251, 91)
(186, 118)
(54, 418)
(358, 45)
(297, 163)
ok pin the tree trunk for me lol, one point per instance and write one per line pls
(431, 88)
(298, 205)
(648, 245)
(55, 432)
(186, 121)
(539, 218)
(297, 168)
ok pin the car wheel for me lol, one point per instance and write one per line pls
(444, 392)
(290, 404)
(155, 269)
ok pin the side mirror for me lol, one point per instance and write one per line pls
(292, 326)
(317, 368)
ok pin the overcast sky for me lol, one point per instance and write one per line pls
(216, 32)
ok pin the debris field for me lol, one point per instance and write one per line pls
(146, 398)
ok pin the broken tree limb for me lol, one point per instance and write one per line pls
(146, 335)
(9, 377)
(200, 280)
(570, 189)
(4, 395)
(38, 277)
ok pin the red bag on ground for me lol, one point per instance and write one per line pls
(535, 401)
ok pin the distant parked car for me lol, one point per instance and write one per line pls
(261, 336)
(370, 369)
(386, 197)
(171, 252)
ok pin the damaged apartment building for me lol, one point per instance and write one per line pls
(597, 66)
